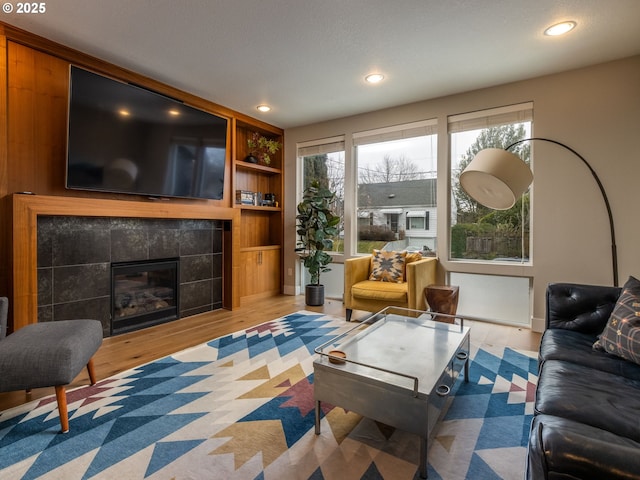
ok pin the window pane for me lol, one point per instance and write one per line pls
(396, 179)
(415, 223)
(477, 232)
(328, 170)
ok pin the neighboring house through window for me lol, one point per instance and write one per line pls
(397, 170)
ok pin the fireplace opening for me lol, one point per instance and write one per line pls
(143, 294)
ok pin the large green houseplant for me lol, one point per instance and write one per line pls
(316, 225)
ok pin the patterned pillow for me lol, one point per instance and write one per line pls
(413, 257)
(387, 266)
(621, 336)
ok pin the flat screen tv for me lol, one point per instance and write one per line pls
(126, 139)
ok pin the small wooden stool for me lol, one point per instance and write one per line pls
(442, 299)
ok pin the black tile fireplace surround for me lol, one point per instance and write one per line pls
(75, 256)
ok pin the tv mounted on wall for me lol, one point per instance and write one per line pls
(125, 139)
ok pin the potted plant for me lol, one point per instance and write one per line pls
(261, 148)
(316, 225)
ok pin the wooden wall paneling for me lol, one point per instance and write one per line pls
(38, 90)
(21, 105)
(3, 117)
(24, 265)
(51, 101)
(5, 231)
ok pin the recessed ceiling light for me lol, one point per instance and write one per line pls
(174, 112)
(374, 78)
(124, 112)
(560, 28)
(264, 108)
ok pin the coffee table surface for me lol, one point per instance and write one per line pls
(398, 351)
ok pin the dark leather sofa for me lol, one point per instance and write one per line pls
(587, 410)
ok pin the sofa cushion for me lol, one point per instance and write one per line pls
(621, 336)
(583, 308)
(593, 397)
(387, 266)
(375, 290)
(576, 347)
(562, 448)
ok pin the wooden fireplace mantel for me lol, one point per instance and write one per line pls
(25, 209)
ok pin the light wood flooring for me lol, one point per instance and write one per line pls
(129, 350)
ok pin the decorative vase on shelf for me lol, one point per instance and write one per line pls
(250, 159)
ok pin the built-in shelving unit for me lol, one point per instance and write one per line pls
(261, 225)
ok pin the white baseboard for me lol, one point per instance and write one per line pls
(291, 290)
(537, 324)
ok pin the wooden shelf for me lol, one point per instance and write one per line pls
(241, 164)
(257, 207)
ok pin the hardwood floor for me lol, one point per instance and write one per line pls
(129, 350)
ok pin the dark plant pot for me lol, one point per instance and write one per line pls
(251, 159)
(314, 295)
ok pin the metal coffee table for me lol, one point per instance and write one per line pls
(397, 370)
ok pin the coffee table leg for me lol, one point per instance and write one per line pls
(317, 417)
(466, 370)
(423, 457)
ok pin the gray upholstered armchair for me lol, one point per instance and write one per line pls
(47, 354)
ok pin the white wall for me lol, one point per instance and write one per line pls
(596, 111)
(494, 298)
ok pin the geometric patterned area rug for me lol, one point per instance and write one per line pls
(241, 407)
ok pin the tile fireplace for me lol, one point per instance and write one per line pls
(75, 255)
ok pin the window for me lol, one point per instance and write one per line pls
(477, 232)
(418, 220)
(323, 161)
(397, 170)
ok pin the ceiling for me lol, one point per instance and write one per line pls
(307, 59)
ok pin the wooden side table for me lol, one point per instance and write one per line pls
(442, 299)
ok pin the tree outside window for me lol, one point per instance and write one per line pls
(328, 170)
(477, 232)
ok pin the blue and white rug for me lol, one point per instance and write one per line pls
(241, 407)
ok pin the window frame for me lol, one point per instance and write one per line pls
(319, 147)
(476, 120)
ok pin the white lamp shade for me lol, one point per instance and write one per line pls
(496, 178)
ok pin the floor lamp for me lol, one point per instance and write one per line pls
(496, 178)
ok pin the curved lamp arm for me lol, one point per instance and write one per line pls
(614, 250)
(495, 178)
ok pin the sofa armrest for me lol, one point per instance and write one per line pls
(419, 275)
(582, 308)
(561, 448)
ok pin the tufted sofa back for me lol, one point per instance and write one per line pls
(585, 308)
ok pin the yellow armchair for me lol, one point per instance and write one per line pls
(360, 293)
